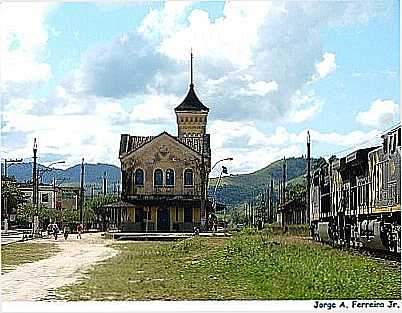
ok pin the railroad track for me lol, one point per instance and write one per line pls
(383, 255)
(376, 254)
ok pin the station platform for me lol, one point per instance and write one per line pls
(158, 236)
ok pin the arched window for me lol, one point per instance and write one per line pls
(158, 177)
(188, 177)
(139, 177)
(169, 177)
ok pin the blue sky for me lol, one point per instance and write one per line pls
(77, 75)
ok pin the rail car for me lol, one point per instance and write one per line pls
(356, 199)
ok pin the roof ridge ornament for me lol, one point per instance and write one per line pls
(191, 101)
(191, 68)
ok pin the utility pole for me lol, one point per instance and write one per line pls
(271, 199)
(34, 186)
(308, 178)
(104, 184)
(284, 181)
(279, 191)
(34, 174)
(82, 189)
(10, 161)
(54, 192)
(268, 205)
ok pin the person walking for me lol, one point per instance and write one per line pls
(55, 231)
(79, 230)
(65, 232)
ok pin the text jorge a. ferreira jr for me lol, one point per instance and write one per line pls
(357, 304)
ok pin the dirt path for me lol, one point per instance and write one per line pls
(37, 281)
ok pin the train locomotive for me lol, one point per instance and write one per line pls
(356, 199)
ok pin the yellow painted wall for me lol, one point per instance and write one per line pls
(153, 214)
(196, 215)
(181, 215)
(172, 215)
(131, 214)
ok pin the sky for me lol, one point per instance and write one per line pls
(78, 75)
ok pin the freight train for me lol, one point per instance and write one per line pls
(356, 199)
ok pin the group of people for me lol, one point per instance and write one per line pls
(66, 230)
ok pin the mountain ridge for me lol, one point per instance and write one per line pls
(233, 189)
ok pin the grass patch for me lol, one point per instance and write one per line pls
(16, 254)
(246, 266)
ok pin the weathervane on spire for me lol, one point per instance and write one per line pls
(191, 67)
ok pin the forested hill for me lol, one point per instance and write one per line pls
(237, 189)
(233, 190)
(93, 173)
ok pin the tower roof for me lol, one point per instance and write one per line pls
(191, 101)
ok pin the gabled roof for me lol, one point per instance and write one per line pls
(175, 139)
(191, 102)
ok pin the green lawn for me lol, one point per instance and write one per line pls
(246, 266)
(19, 253)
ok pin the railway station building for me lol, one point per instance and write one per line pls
(165, 177)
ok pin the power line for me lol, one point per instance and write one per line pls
(356, 145)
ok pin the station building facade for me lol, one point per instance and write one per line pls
(165, 177)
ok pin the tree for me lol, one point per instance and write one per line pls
(12, 197)
(24, 214)
(297, 191)
(93, 207)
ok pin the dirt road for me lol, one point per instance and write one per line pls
(37, 281)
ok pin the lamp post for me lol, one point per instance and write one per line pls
(226, 159)
(48, 169)
(40, 173)
(223, 171)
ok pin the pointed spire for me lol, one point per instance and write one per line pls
(191, 101)
(191, 68)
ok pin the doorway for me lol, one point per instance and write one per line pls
(163, 220)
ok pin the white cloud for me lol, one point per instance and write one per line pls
(23, 40)
(255, 46)
(161, 23)
(254, 58)
(94, 135)
(253, 149)
(304, 106)
(155, 107)
(305, 114)
(260, 88)
(214, 40)
(326, 66)
(380, 113)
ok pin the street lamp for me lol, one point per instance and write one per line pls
(48, 169)
(223, 171)
(39, 175)
(226, 159)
